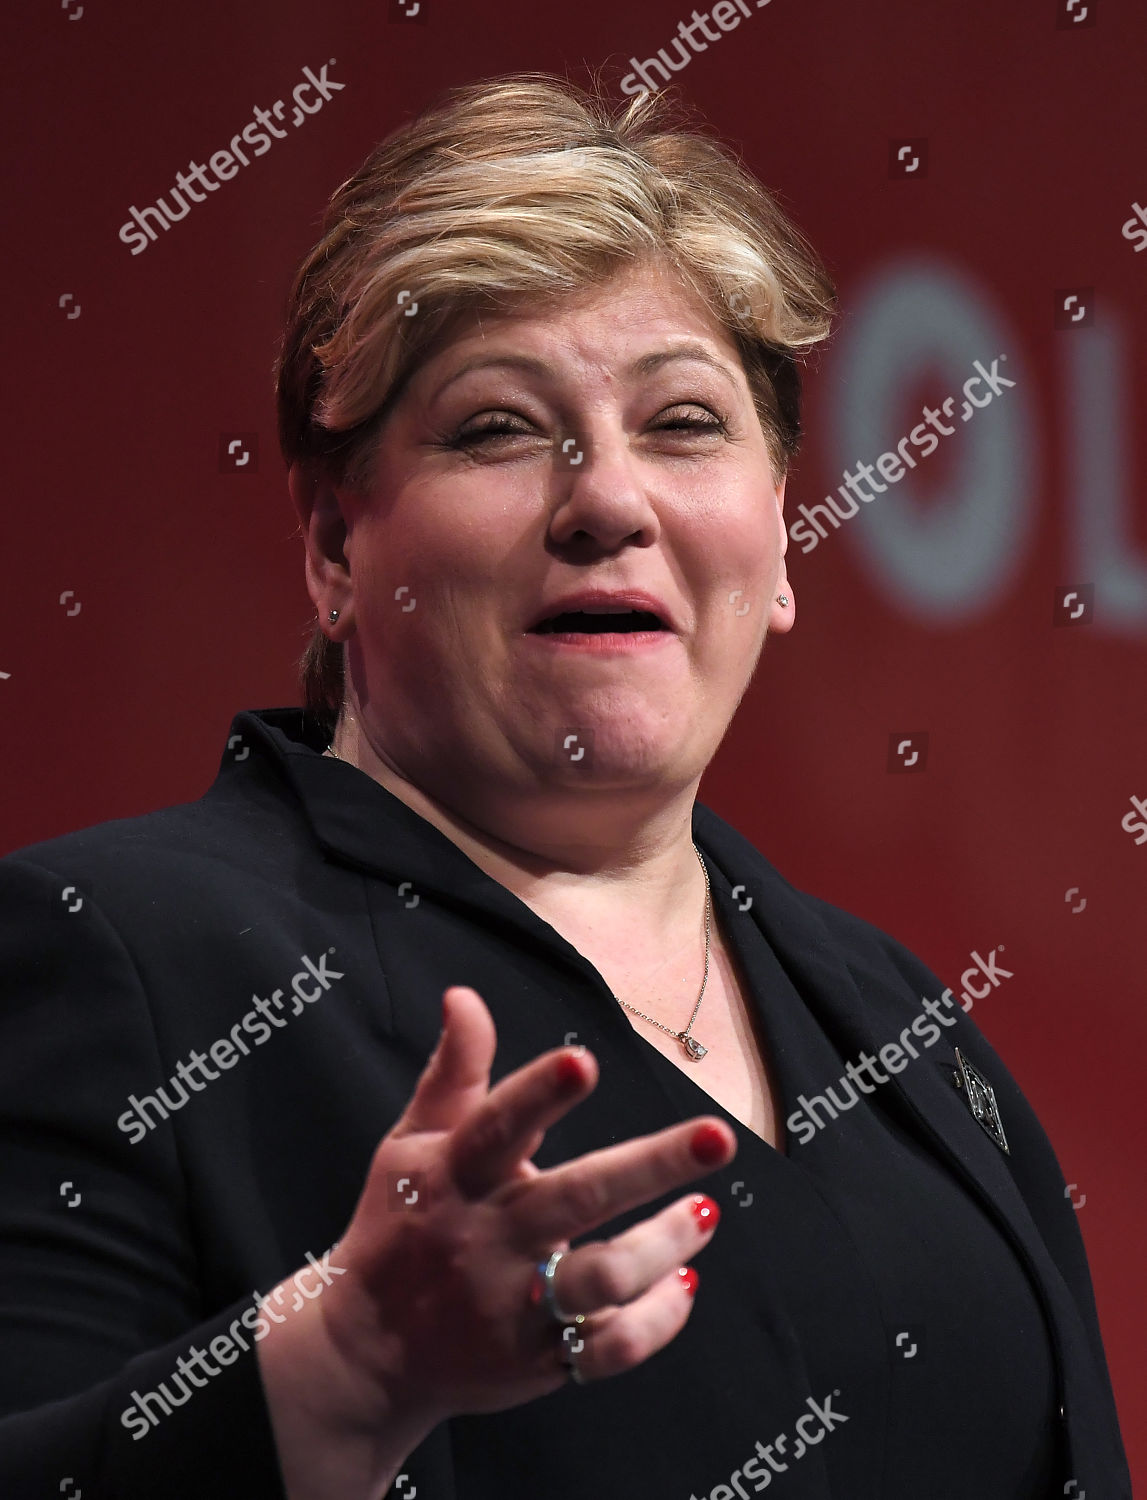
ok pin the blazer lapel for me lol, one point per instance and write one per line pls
(866, 1019)
(865, 1015)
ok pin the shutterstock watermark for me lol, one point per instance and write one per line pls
(1136, 227)
(811, 1430)
(1131, 825)
(728, 16)
(864, 1073)
(893, 466)
(259, 134)
(307, 985)
(194, 1369)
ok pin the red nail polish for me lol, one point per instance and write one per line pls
(689, 1279)
(706, 1212)
(709, 1144)
(568, 1070)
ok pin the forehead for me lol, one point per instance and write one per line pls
(629, 323)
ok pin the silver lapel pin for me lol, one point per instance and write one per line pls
(981, 1099)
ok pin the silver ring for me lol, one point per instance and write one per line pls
(546, 1269)
(572, 1341)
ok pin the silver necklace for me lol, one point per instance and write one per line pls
(693, 1048)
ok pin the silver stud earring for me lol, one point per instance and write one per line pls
(333, 616)
(783, 600)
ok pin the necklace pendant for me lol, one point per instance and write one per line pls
(694, 1048)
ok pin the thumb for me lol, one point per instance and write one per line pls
(457, 1073)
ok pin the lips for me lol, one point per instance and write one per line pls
(598, 611)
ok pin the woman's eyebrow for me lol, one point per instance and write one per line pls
(650, 362)
(646, 365)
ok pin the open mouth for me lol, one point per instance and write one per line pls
(592, 623)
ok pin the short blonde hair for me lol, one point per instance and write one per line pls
(527, 186)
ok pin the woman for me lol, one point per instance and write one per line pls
(539, 370)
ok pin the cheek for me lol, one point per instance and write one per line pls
(448, 529)
(423, 578)
(738, 561)
(737, 549)
(388, 591)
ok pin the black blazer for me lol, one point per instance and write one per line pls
(287, 938)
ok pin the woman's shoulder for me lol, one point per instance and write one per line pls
(233, 831)
(861, 935)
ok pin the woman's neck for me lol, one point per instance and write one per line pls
(568, 862)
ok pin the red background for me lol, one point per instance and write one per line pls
(190, 582)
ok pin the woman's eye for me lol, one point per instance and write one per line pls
(500, 427)
(691, 419)
(698, 423)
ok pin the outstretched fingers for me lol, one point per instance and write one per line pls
(605, 1274)
(567, 1201)
(509, 1125)
(457, 1072)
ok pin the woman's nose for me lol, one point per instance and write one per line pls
(599, 492)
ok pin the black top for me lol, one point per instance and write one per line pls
(905, 1305)
(861, 1266)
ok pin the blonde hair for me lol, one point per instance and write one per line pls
(527, 186)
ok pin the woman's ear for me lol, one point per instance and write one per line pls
(780, 493)
(319, 504)
(782, 617)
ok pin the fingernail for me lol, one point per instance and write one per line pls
(568, 1071)
(689, 1279)
(706, 1212)
(709, 1144)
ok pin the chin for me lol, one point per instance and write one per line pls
(610, 750)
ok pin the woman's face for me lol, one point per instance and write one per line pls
(480, 518)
